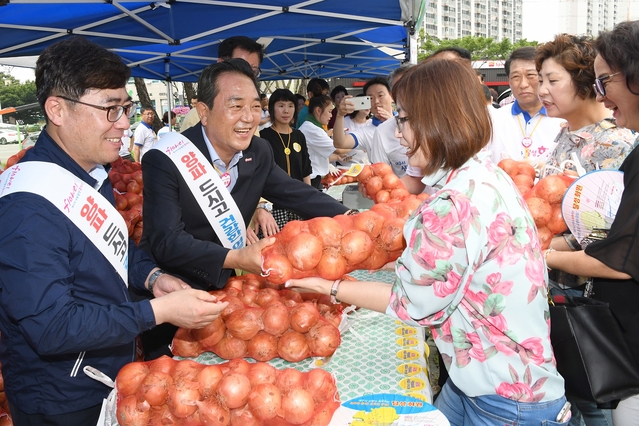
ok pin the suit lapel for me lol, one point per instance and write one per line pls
(245, 173)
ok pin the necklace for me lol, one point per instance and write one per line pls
(527, 141)
(287, 150)
(226, 177)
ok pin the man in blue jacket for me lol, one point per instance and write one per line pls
(64, 303)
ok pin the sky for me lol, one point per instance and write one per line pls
(540, 20)
(22, 74)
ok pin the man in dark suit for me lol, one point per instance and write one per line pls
(177, 234)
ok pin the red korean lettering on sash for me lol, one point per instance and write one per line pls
(92, 212)
(194, 166)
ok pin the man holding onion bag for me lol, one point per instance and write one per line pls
(200, 192)
(65, 257)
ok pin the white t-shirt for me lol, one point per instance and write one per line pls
(264, 115)
(364, 136)
(163, 131)
(355, 155)
(387, 149)
(349, 124)
(512, 132)
(145, 138)
(126, 141)
(320, 147)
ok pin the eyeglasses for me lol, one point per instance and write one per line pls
(114, 112)
(400, 122)
(257, 71)
(600, 84)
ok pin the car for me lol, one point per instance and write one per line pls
(30, 140)
(8, 136)
(503, 95)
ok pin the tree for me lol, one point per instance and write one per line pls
(480, 48)
(15, 94)
(189, 92)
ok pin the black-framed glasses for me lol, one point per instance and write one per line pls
(400, 122)
(600, 84)
(257, 71)
(114, 112)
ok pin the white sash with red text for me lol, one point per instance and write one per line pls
(207, 188)
(93, 214)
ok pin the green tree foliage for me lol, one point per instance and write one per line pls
(480, 48)
(15, 94)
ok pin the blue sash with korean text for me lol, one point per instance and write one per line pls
(207, 188)
(93, 214)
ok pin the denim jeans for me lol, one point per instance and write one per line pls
(587, 413)
(494, 410)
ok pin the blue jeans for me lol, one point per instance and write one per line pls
(587, 413)
(494, 410)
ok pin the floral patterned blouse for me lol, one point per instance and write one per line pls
(598, 146)
(601, 145)
(473, 272)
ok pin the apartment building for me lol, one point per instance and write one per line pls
(590, 17)
(450, 19)
(545, 18)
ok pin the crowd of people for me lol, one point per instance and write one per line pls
(74, 291)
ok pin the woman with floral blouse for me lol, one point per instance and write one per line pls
(473, 270)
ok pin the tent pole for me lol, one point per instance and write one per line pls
(169, 92)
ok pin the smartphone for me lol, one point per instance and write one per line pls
(564, 414)
(361, 102)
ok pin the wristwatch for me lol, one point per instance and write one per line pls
(153, 278)
(266, 206)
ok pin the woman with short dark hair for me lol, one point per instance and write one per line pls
(289, 152)
(473, 271)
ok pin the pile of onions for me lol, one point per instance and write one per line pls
(522, 173)
(544, 201)
(543, 198)
(331, 247)
(170, 392)
(340, 179)
(286, 327)
(381, 184)
(126, 178)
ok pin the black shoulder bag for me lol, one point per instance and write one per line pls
(591, 353)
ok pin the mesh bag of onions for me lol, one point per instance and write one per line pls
(381, 184)
(264, 324)
(170, 392)
(543, 198)
(331, 247)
